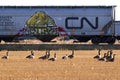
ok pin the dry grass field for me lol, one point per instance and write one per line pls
(81, 67)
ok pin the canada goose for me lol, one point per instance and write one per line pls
(111, 59)
(46, 56)
(103, 58)
(31, 56)
(53, 59)
(71, 55)
(65, 57)
(98, 56)
(5, 56)
(109, 54)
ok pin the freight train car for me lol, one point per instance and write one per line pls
(117, 30)
(95, 23)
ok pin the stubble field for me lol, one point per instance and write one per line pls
(81, 67)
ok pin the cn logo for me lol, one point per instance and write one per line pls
(82, 22)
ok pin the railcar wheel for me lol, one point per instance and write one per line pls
(95, 40)
(111, 40)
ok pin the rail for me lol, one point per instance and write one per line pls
(24, 47)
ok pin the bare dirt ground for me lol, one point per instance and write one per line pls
(81, 67)
(71, 41)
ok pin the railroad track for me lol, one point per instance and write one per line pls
(24, 47)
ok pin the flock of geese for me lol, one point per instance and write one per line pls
(44, 57)
(108, 56)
